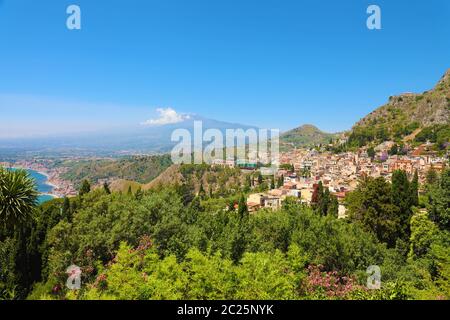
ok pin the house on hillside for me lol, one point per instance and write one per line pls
(257, 201)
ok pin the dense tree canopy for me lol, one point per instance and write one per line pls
(170, 243)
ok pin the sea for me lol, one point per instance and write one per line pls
(41, 184)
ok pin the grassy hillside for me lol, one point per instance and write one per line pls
(217, 180)
(141, 169)
(211, 180)
(306, 135)
(406, 116)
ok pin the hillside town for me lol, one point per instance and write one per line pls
(339, 173)
(300, 170)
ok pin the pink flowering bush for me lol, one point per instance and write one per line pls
(321, 284)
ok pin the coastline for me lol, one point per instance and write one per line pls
(48, 182)
(50, 195)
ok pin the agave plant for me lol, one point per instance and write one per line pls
(18, 197)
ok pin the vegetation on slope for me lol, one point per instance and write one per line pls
(405, 115)
(169, 243)
(205, 179)
(140, 169)
(305, 136)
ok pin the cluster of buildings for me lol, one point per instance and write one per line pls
(342, 171)
(60, 187)
(295, 187)
(339, 173)
(304, 170)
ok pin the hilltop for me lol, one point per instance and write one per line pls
(306, 135)
(199, 178)
(405, 116)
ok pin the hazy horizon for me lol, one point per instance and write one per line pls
(265, 65)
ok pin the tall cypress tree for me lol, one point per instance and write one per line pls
(260, 178)
(414, 189)
(401, 197)
(201, 191)
(333, 207)
(324, 203)
(242, 208)
(185, 191)
(106, 188)
(281, 181)
(210, 192)
(66, 212)
(240, 234)
(432, 176)
(319, 195)
(139, 194)
(248, 182)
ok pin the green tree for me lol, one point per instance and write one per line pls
(371, 153)
(230, 205)
(106, 188)
(195, 207)
(324, 202)
(242, 208)
(439, 201)
(240, 233)
(185, 190)
(394, 150)
(18, 197)
(333, 206)
(317, 195)
(139, 194)
(401, 195)
(280, 181)
(272, 183)
(201, 191)
(432, 176)
(305, 173)
(211, 192)
(66, 210)
(248, 183)
(321, 200)
(260, 178)
(414, 190)
(265, 276)
(372, 205)
(85, 188)
(423, 234)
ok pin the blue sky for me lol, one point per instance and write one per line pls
(274, 64)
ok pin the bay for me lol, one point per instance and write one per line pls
(41, 184)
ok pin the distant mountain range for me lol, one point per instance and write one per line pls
(138, 139)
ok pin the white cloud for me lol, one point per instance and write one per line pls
(166, 116)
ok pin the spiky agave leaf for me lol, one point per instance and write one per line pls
(18, 197)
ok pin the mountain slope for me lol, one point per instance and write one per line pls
(217, 180)
(405, 115)
(141, 169)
